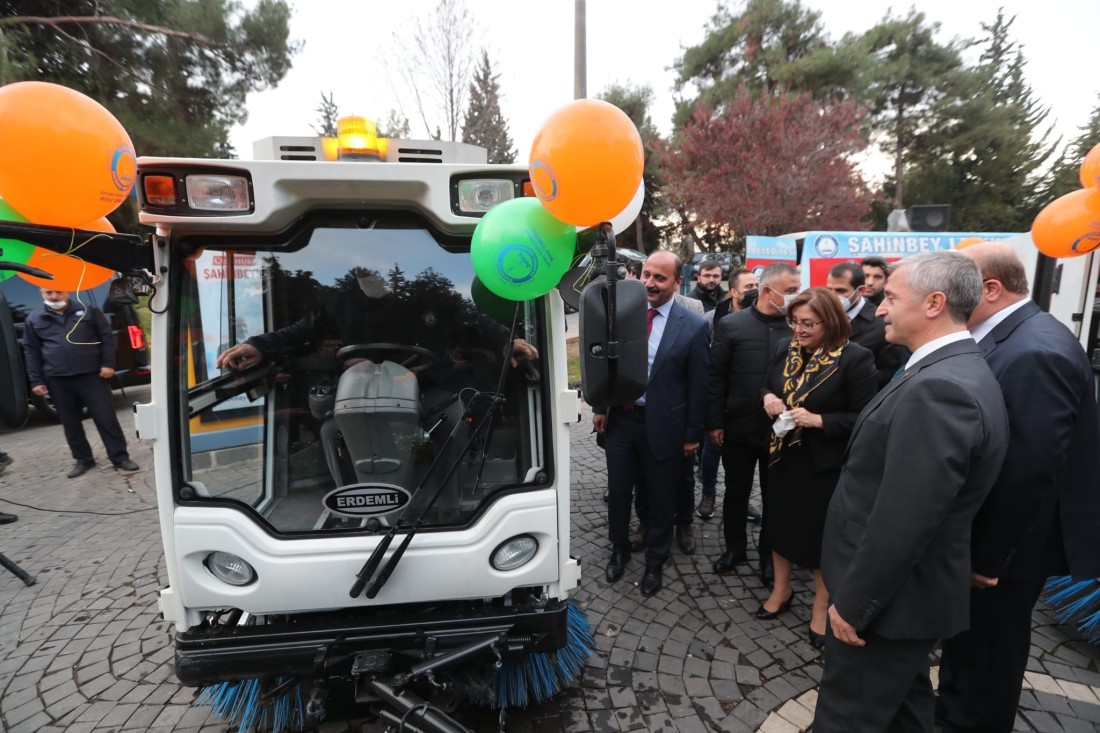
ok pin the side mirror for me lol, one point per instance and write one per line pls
(122, 292)
(614, 371)
(13, 377)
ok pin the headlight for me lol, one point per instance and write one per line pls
(515, 553)
(229, 568)
(476, 195)
(218, 193)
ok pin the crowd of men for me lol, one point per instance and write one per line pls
(968, 479)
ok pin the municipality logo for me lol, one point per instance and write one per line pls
(826, 246)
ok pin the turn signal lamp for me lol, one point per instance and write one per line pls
(160, 190)
(357, 139)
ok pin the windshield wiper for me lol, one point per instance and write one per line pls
(364, 575)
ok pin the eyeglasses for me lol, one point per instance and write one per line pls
(803, 325)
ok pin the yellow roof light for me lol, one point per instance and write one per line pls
(358, 139)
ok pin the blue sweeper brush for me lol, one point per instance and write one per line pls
(1076, 602)
(281, 705)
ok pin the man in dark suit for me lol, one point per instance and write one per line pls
(868, 330)
(922, 458)
(646, 441)
(1043, 515)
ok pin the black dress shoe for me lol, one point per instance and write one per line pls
(817, 641)
(728, 562)
(753, 516)
(126, 465)
(651, 581)
(616, 565)
(79, 469)
(7, 518)
(765, 615)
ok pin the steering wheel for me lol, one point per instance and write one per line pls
(417, 358)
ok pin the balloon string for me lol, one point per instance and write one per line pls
(79, 285)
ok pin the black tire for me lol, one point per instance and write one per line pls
(46, 408)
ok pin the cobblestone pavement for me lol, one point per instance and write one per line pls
(84, 649)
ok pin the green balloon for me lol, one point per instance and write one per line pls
(491, 304)
(520, 251)
(12, 250)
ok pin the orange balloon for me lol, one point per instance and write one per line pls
(586, 162)
(968, 241)
(70, 272)
(1090, 169)
(64, 159)
(1069, 226)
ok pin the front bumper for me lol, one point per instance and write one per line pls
(324, 645)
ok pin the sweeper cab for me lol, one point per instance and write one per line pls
(361, 453)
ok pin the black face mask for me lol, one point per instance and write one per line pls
(748, 298)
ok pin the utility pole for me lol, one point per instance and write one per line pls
(580, 90)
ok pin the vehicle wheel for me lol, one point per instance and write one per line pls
(45, 406)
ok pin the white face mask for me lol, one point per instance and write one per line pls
(373, 286)
(787, 298)
(55, 304)
(844, 302)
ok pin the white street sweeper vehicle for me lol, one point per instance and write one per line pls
(361, 454)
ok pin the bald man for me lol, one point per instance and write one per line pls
(1042, 516)
(648, 440)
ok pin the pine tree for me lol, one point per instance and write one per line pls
(484, 124)
(327, 114)
(1064, 176)
(983, 153)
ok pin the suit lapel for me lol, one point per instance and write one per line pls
(955, 348)
(668, 337)
(878, 399)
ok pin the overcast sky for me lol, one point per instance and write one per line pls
(348, 48)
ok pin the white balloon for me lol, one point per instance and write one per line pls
(627, 216)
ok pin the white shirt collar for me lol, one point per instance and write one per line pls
(664, 309)
(984, 328)
(934, 344)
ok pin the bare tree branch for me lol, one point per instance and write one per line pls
(106, 20)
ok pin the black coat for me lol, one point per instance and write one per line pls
(869, 331)
(1043, 515)
(838, 400)
(79, 340)
(740, 354)
(709, 300)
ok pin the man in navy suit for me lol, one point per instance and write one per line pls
(1042, 517)
(921, 460)
(646, 441)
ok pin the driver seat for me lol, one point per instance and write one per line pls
(377, 409)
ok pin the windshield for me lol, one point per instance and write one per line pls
(374, 398)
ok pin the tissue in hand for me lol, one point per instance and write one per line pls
(783, 424)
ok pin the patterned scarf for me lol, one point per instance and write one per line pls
(800, 377)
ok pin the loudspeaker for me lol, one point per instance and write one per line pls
(932, 218)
